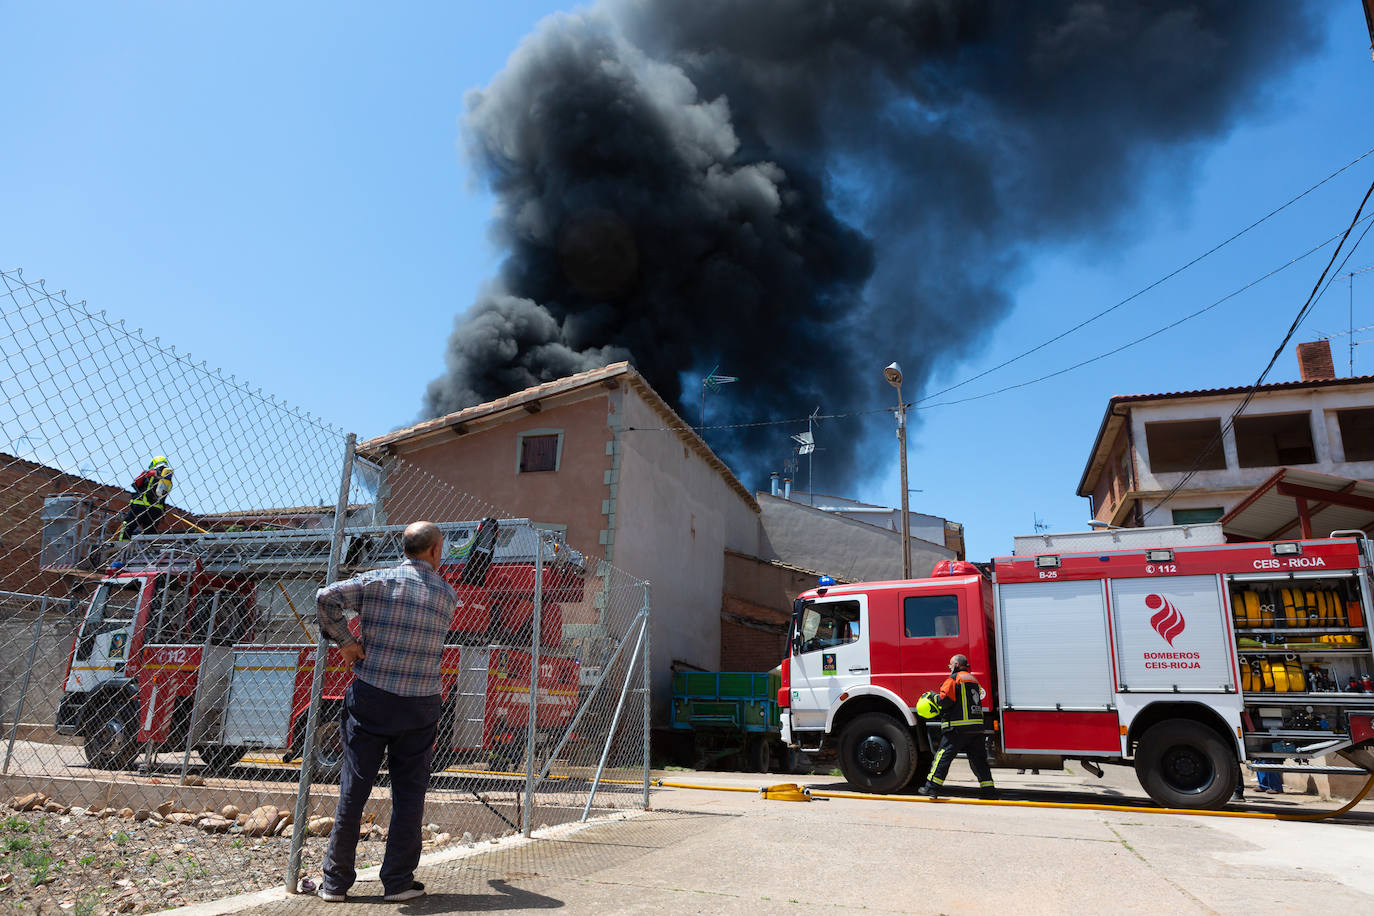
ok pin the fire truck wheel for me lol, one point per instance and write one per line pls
(326, 759)
(1184, 764)
(219, 758)
(111, 733)
(877, 753)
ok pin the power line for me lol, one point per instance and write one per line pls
(1164, 279)
(1318, 289)
(918, 404)
(1144, 337)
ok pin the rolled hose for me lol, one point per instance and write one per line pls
(791, 791)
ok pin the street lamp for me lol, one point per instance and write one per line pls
(893, 374)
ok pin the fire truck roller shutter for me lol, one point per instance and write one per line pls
(1056, 663)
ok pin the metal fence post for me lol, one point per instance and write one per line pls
(648, 636)
(298, 826)
(586, 702)
(532, 710)
(615, 719)
(24, 687)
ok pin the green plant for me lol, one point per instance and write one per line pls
(238, 843)
(85, 906)
(835, 772)
(153, 858)
(32, 858)
(87, 860)
(16, 825)
(17, 843)
(121, 838)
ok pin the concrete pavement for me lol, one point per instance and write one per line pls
(723, 852)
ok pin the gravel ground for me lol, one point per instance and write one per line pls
(60, 860)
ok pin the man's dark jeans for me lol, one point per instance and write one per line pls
(376, 721)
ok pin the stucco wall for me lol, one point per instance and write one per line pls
(838, 546)
(1226, 487)
(484, 464)
(675, 516)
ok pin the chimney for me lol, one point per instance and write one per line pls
(787, 488)
(773, 485)
(1314, 361)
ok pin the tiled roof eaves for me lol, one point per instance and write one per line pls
(564, 386)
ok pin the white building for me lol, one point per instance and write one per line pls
(1151, 445)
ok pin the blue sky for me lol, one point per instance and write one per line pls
(279, 189)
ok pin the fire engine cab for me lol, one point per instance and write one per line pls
(1161, 648)
(173, 652)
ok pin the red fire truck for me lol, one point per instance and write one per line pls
(1161, 648)
(173, 651)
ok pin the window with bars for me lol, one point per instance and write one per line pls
(539, 452)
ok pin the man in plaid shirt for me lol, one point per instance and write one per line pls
(392, 706)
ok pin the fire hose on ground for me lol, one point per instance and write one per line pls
(790, 791)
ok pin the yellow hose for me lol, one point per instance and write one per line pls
(777, 793)
(289, 604)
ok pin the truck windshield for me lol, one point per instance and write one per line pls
(113, 607)
(115, 602)
(832, 624)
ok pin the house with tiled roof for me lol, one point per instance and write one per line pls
(1188, 457)
(602, 457)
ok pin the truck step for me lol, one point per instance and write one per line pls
(1300, 768)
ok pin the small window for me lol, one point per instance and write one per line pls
(1196, 516)
(827, 625)
(931, 616)
(1182, 445)
(1357, 433)
(539, 453)
(1271, 440)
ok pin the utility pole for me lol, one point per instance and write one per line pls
(893, 374)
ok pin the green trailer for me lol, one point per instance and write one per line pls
(731, 715)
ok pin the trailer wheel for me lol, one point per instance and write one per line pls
(877, 753)
(757, 753)
(110, 727)
(1184, 764)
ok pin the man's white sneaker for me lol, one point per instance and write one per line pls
(415, 890)
(330, 896)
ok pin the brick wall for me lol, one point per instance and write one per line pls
(755, 609)
(749, 648)
(23, 487)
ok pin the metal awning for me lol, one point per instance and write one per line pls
(1298, 503)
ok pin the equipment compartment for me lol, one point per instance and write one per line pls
(1303, 646)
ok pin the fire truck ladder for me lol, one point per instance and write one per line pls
(307, 550)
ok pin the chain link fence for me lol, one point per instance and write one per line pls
(163, 529)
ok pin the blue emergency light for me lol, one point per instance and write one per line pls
(826, 581)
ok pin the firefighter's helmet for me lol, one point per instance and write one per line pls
(928, 706)
(158, 461)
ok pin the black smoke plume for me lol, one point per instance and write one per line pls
(803, 190)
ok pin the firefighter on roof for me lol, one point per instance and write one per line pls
(959, 706)
(149, 500)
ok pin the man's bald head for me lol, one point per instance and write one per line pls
(420, 538)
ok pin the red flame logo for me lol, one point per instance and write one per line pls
(1167, 621)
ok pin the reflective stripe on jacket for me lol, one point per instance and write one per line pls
(961, 702)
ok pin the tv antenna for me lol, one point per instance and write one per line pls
(806, 445)
(1041, 526)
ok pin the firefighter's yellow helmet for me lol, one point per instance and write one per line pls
(157, 462)
(928, 706)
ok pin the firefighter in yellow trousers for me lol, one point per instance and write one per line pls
(959, 706)
(149, 500)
